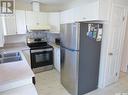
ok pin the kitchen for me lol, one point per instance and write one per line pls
(33, 34)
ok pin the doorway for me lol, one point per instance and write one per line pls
(118, 23)
(116, 34)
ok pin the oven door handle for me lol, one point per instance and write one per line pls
(41, 50)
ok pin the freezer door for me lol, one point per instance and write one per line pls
(69, 70)
(70, 34)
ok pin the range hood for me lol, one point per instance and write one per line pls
(38, 26)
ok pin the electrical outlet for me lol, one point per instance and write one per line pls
(116, 74)
(127, 68)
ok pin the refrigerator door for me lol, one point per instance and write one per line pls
(69, 70)
(70, 34)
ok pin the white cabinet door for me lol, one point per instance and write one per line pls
(82, 13)
(10, 25)
(1, 32)
(116, 45)
(20, 22)
(27, 55)
(54, 22)
(67, 16)
(88, 12)
(57, 59)
(96, 10)
(1, 38)
(105, 9)
(15, 24)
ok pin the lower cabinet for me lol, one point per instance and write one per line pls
(1, 39)
(1, 32)
(27, 55)
(57, 58)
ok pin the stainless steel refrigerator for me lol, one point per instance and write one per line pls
(80, 56)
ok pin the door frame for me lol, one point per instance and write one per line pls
(123, 68)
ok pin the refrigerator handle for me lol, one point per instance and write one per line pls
(68, 48)
(62, 56)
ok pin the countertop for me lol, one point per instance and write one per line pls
(15, 71)
(54, 45)
(24, 90)
(21, 46)
(16, 77)
(15, 47)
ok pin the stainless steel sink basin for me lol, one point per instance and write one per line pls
(10, 57)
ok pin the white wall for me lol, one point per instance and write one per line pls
(77, 3)
(125, 52)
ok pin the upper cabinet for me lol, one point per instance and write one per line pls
(97, 10)
(20, 22)
(54, 22)
(67, 16)
(10, 25)
(88, 12)
(15, 24)
(23, 20)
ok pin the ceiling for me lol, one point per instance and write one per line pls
(53, 2)
(53, 5)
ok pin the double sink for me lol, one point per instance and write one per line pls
(10, 57)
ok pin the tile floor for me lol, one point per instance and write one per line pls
(48, 83)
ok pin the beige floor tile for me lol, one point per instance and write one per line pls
(48, 83)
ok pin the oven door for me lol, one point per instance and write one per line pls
(41, 57)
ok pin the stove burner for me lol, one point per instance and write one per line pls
(38, 39)
(41, 47)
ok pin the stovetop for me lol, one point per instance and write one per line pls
(38, 44)
(41, 47)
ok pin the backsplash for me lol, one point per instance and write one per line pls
(15, 38)
(50, 37)
(37, 34)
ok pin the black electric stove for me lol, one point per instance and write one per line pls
(41, 55)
